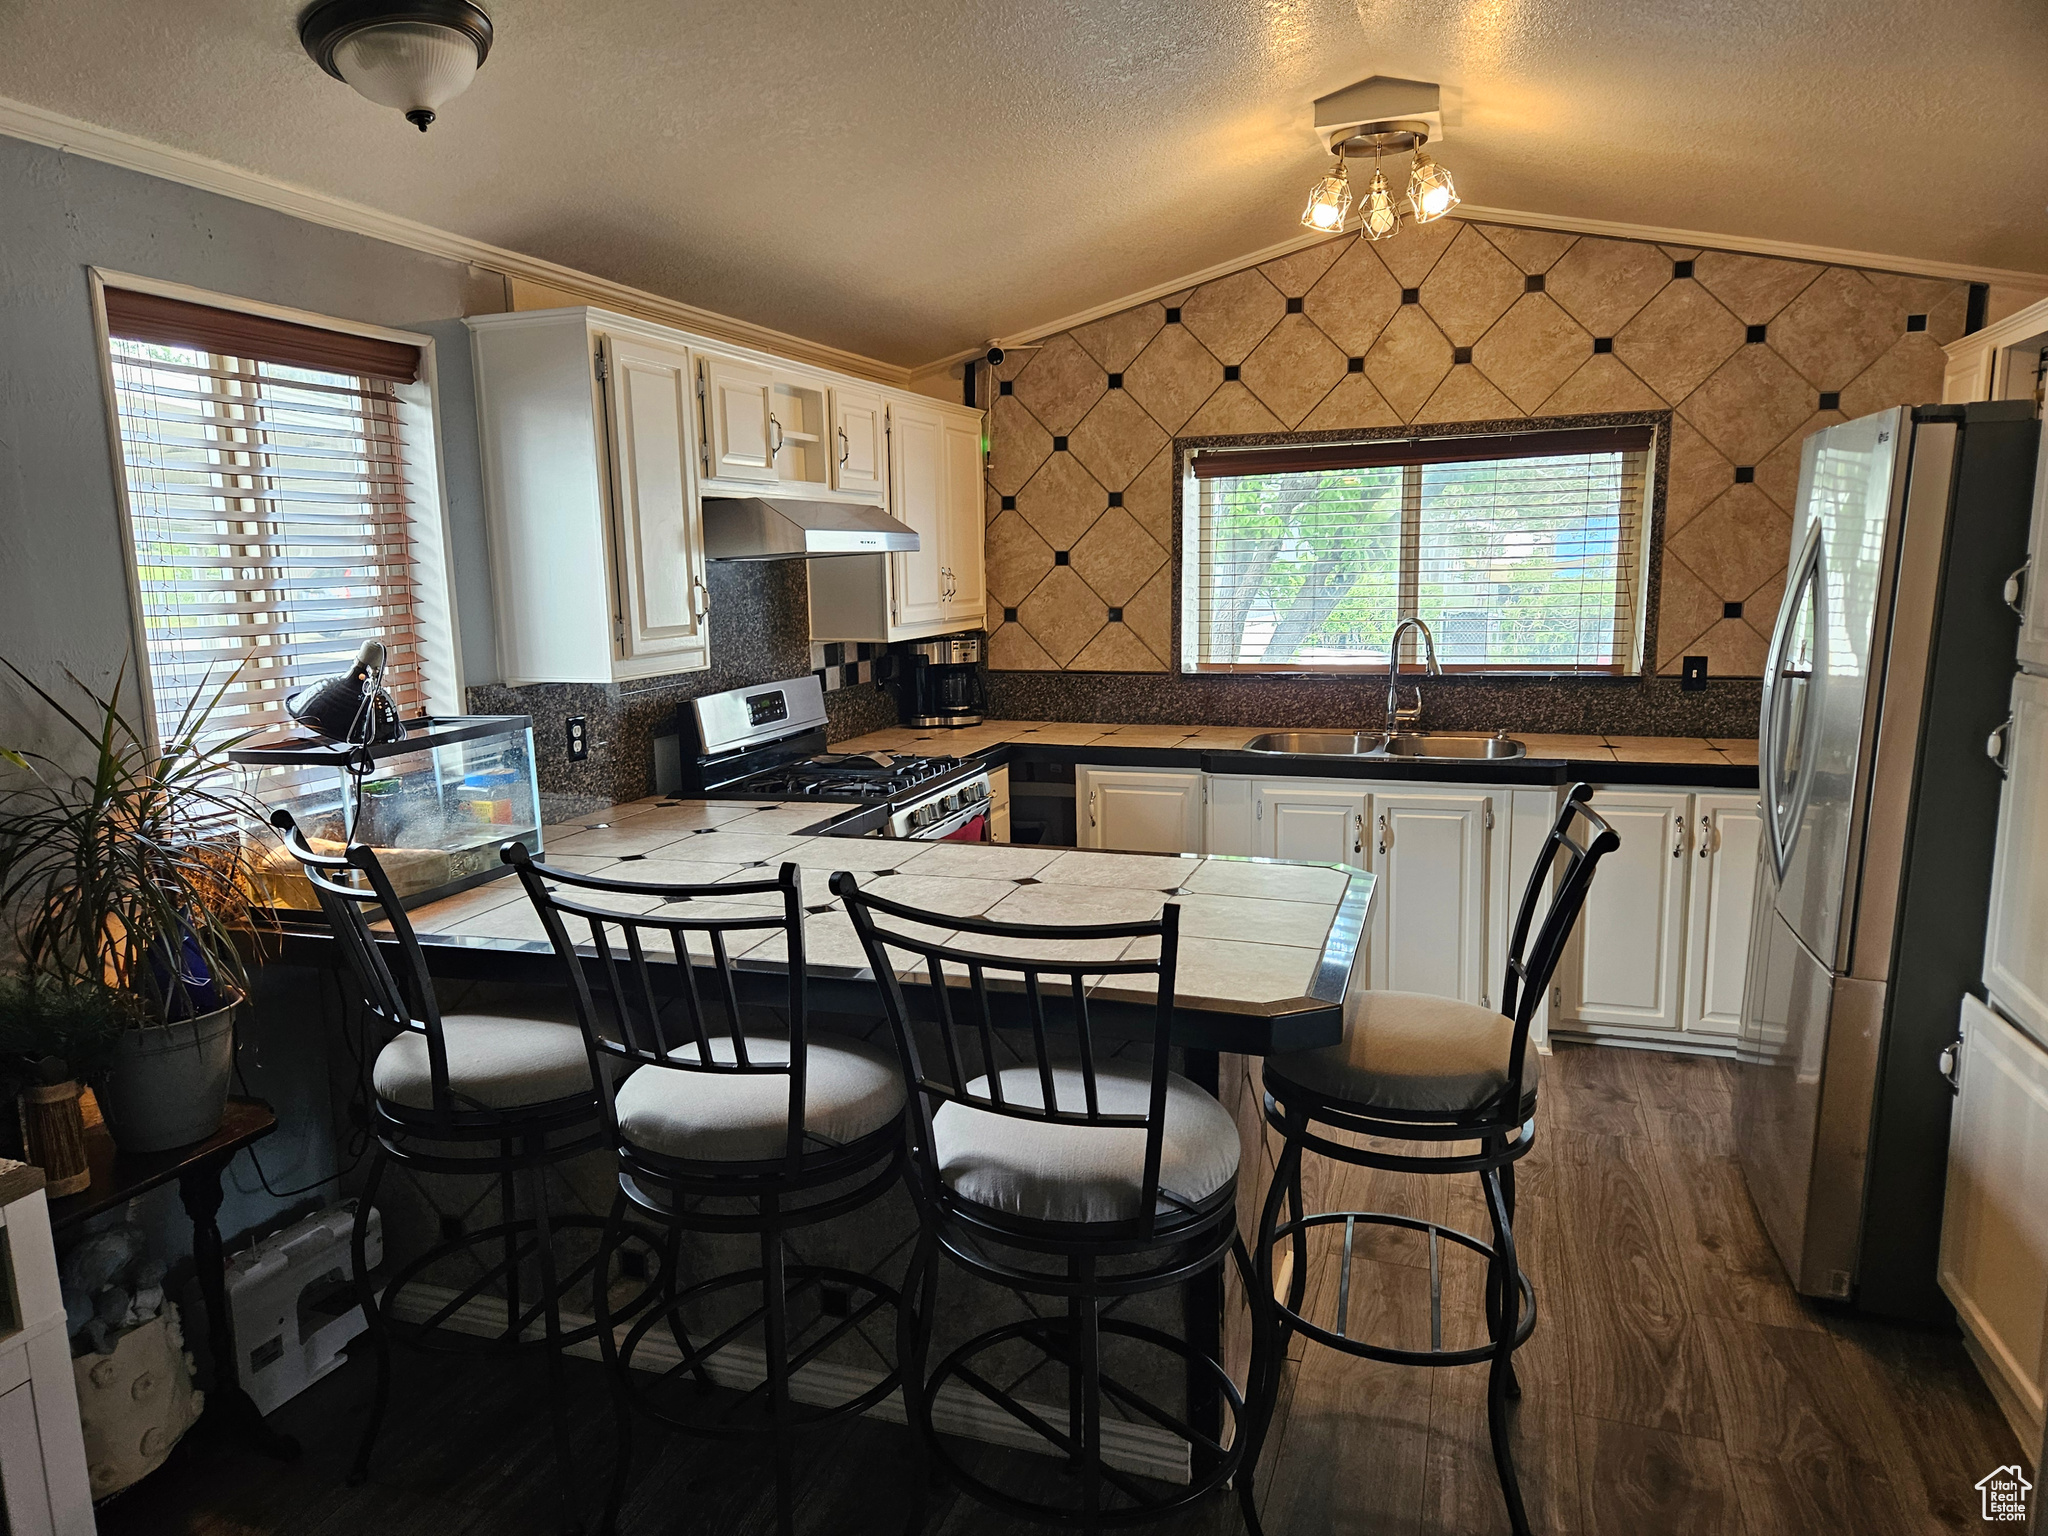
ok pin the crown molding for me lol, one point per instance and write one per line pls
(70, 135)
(1790, 250)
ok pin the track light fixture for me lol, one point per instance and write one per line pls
(1379, 117)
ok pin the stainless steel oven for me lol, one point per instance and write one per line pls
(957, 813)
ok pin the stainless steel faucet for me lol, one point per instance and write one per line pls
(1410, 718)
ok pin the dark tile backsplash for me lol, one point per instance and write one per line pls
(760, 633)
(1647, 706)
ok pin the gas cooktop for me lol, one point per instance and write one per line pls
(844, 776)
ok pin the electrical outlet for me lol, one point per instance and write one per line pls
(579, 739)
(1692, 675)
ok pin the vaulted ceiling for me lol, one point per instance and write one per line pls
(905, 178)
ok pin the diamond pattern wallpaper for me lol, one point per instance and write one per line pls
(1447, 322)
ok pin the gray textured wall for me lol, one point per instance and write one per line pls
(63, 592)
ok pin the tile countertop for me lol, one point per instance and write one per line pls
(1265, 960)
(1693, 761)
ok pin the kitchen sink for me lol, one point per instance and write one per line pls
(1319, 743)
(1451, 744)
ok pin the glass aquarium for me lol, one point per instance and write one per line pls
(435, 807)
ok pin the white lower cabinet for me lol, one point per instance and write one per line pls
(1661, 948)
(1430, 929)
(1433, 926)
(1138, 810)
(1318, 821)
(1994, 1225)
(2016, 938)
(1727, 835)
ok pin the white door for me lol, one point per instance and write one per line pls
(1429, 908)
(1628, 967)
(1994, 1223)
(2025, 591)
(917, 496)
(960, 548)
(1727, 839)
(1320, 822)
(1138, 810)
(860, 458)
(2016, 939)
(656, 522)
(739, 402)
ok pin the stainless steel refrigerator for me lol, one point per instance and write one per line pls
(1890, 660)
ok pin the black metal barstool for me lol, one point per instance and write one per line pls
(1068, 1176)
(704, 1100)
(486, 1095)
(1415, 1068)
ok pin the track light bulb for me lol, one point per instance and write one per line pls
(1430, 193)
(1329, 201)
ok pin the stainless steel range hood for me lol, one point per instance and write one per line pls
(782, 528)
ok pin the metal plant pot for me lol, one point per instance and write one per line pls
(168, 1084)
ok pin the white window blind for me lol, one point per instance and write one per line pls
(267, 493)
(1521, 553)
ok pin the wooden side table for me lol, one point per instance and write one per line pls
(118, 1177)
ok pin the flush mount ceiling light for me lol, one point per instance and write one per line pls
(412, 55)
(1378, 117)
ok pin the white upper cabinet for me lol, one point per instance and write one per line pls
(660, 537)
(933, 455)
(1627, 965)
(740, 430)
(1430, 851)
(1727, 835)
(1139, 810)
(966, 596)
(860, 451)
(590, 494)
(2016, 938)
(917, 496)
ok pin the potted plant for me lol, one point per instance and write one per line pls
(123, 868)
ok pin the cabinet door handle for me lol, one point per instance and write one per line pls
(2016, 587)
(1706, 835)
(1382, 822)
(776, 451)
(1997, 744)
(1678, 839)
(1949, 1064)
(700, 598)
(1358, 834)
(844, 448)
(1091, 807)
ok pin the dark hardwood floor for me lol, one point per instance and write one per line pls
(1674, 1384)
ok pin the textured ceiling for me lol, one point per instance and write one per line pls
(908, 177)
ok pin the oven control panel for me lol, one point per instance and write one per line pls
(943, 813)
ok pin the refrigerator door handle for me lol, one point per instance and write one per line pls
(1998, 743)
(1781, 820)
(2016, 594)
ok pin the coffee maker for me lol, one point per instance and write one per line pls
(938, 682)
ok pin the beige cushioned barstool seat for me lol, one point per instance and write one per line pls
(851, 1089)
(1051, 1172)
(494, 1062)
(1412, 1052)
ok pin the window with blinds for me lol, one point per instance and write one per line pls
(268, 501)
(1522, 553)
